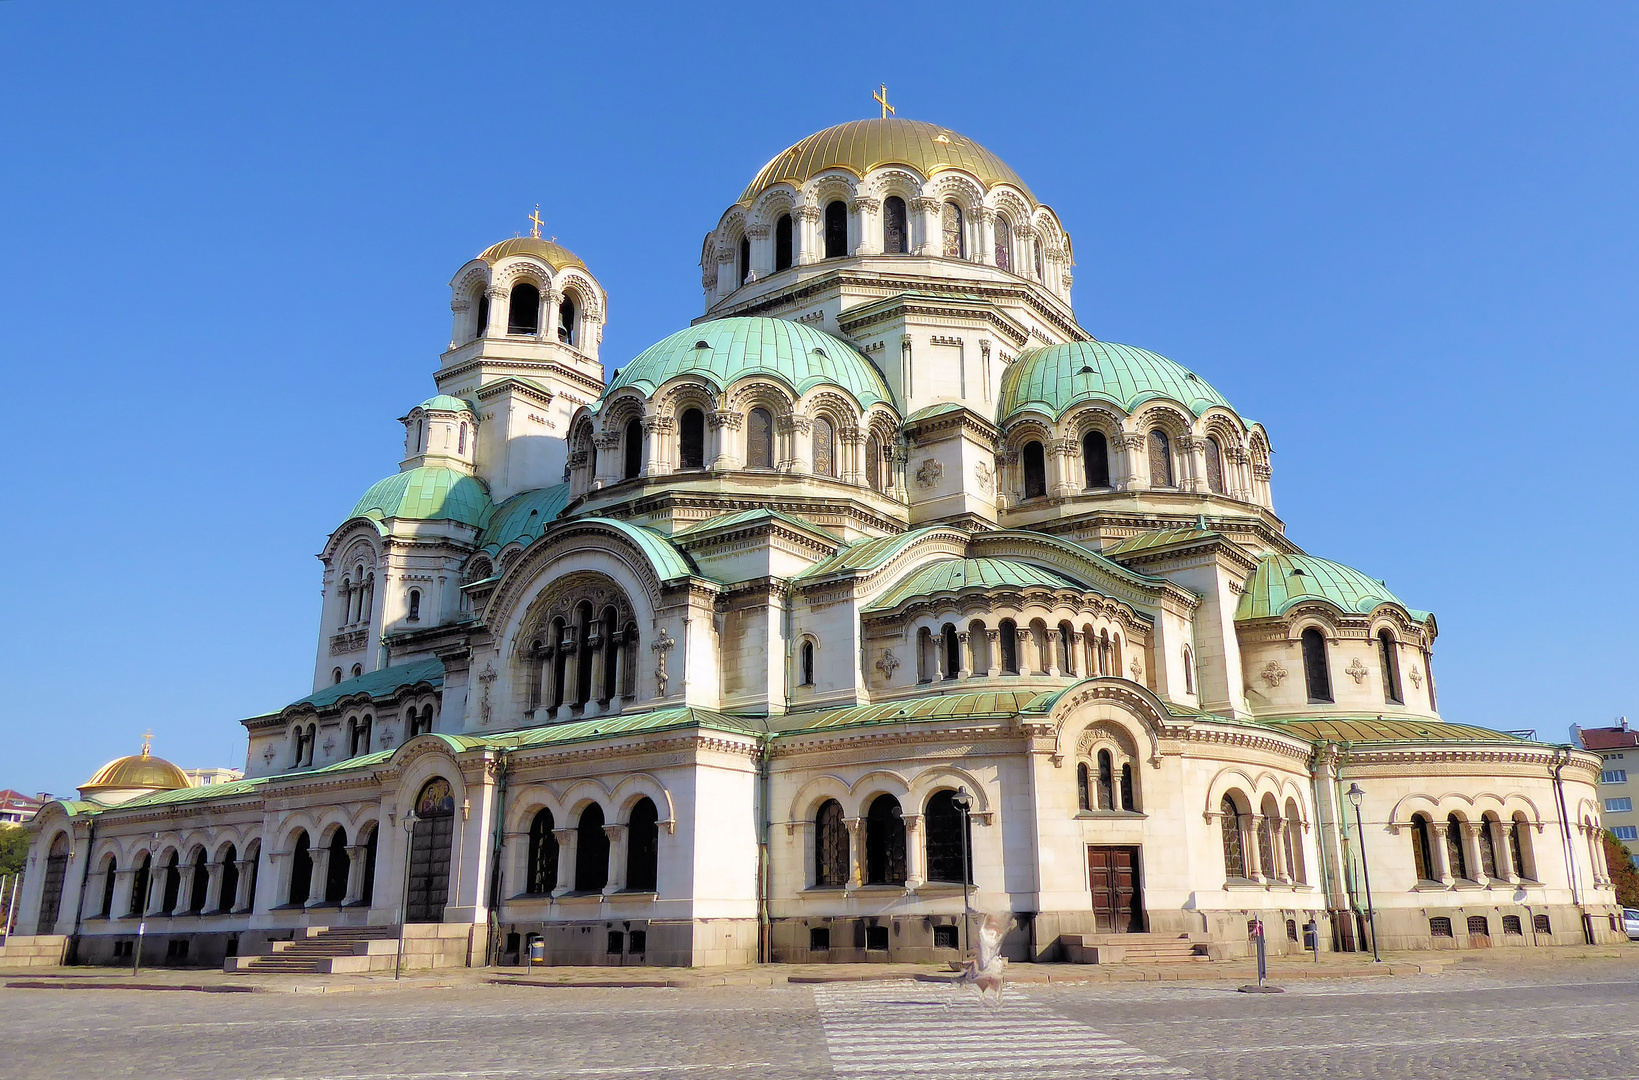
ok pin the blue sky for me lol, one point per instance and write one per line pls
(1403, 237)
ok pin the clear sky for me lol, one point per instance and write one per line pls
(1401, 236)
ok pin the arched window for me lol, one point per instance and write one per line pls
(301, 870)
(1234, 852)
(1106, 780)
(643, 847)
(1456, 854)
(1387, 655)
(954, 236)
(1422, 849)
(140, 885)
(336, 868)
(628, 661)
(950, 845)
(830, 846)
(825, 448)
(1066, 646)
(1488, 847)
(1160, 459)
(1189, 671)
(51, 895)
(632, 448)
(1035, 470)
(836, 230)
(1084, 786)
(1009, 643)
(745, 259)
(591, 851)
(524, 312)
(1214, 466)
(541, 874)
(482, 325)
(873, 462)
(335, 677)
(173, 884)
(782, 243)
(1041, 273)
(896, 238)
(1004, 243)
(420, 434)
(953, 651)
(884, 842)
(1316, 675)
(1127, 800)
(358, 669)
(415, 605)
(110, 877)
(691, 440)
(584, 629)
(1095, 459)
(568, 332)
(367, 890)
(228, 896)
(1519, 848)
(759, 439)
(807, 663)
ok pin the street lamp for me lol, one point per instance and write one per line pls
(1356, 796)
(964, 805)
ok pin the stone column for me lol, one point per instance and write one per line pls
(243, 898)
(497, 312)
(1441, 867)
(797, 431)
(596, 641)
(762, 251)
(985, 226)
(571, 665)
(1136, 461)
(659, 450)
(965, 654)
(851, 445)
(1471, 846)
(1077, 653)
(355, 873)
(1197, 467)
(916, 855)
(726, 426)
(1284, 872)
(156, 888)
(1054, 659)
(728, 279)
(856, 851)
(566, 860)
(804, 220)
(1505, 854)
(213, 886)
(867, 216)
(321, 874)
(993, 639)
(184, 889)
(1024, 241)
(927, 213)
(617, 835)
(1021, 649)
(1254, 849)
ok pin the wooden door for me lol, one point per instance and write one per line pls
(1118, 901)
(430, 868)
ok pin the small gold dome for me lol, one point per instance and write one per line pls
(136, 771)
(551, 252)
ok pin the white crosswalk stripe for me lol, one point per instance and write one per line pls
(888, 1029)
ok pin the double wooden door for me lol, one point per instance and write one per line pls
(429, 876)
(1118, 894)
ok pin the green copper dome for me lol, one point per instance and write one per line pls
(430, 493)
(523, 517)
(1282, 581)
(1054, 378)
(726, 350)
(446, 403)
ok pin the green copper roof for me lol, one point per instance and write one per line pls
(1280, 581)
(796, 354)
(994, 705)
(668, 562)
(958, 575)
(1157, 538)
(430, 493)
(1377, 729)
(447, 403)
(1054, 378)
(864, 554)
(742, 518)
(378, 684)
(523, 517)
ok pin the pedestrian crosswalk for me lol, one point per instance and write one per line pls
(892, 1029)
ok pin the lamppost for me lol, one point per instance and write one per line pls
(964, 805)
(404, 892)
(142, 926)
(1357, 797)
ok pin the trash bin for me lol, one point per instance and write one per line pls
(537, 952)
(1311, 935)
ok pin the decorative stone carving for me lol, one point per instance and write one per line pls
(1356, 670)
(1137, 669)
(931, 472)
(267, 755)
(1273, 673)
(1416, 677)
(487, 678)
(662, 645)
(985, 477)
(386, 738)
(329, 744)
(888, 664)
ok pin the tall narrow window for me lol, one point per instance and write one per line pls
(873, 462)
(367, 888)
(483, 316)
(1009, 635)
(830, 846)
(691, 440)
(461, 440)
(1234, 852)
(584, 630)
(759, 439)
(1214, 466)
(1456, 855)
(825, 447)
(807, 663)
(110, 877)
(836, 230)
(1516, 846)
(895, 233)
(632, 442)
(643, 847)
(1066, 647)
(745, 259)
(51, 894)
(1106, 781)
(884, 842)
(1084, 786)
(1095, 459)
(140, 883)
(782, 242)
(1128, 802)
(524, 313)
(301, 870)
(1041, 274)
(1390, 662)
(591, 851)
(953, 651)
(1189, 671)
(1035, 470)
(950, 227)
(336, 868)
(567, 330)
(1488, 849)
(1422, 851)
(415, 605)
(950, 839)
(1160, 459)
(1316, 675)
(1004, 243)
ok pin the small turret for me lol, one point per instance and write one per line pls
(442, 430)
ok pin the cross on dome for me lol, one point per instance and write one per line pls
(881, 97)
(535, 222)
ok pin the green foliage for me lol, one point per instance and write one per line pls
(13, 848)
(1623, 872)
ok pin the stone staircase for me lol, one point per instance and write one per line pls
(323, 950)
(1134, 948)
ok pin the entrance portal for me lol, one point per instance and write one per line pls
(430, 852)
(1118, 896)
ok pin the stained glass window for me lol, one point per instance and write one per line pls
(1266, 844)
(1040, 275)
(1084, 794)
(1160, 459)
(895, 234)
(1004, 243)
(643, 847)
(1234, 856)
(759, 439)
(873, 463)
(825, 458)
(1420, 850)
(1516, 852)
(1127, 802)
(830, 846)
(1106, 781)
(1214, 466)
(591, 851)
(950, 222)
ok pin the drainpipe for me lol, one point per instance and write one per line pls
(764, 923)
(1562, 756)
(492, 954)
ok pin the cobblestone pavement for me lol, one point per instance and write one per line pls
(1576, 1021)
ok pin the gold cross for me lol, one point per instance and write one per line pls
(147, 737)
(535, 220)
(881, 96)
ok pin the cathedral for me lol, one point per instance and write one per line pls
(884, 592)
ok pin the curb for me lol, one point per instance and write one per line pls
(48, 984)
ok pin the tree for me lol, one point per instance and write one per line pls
(1624, 875)
(13, 848)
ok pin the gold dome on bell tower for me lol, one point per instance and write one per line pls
(138, 774)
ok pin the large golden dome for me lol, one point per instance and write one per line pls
(137, 771)
(551, 252)
(862, 145)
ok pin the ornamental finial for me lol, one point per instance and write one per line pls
(535, 222)
(147, 738)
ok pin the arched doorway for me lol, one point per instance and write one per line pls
(430, 838)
